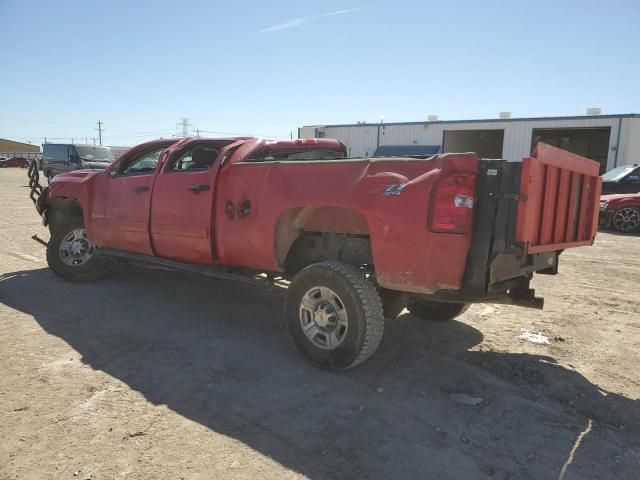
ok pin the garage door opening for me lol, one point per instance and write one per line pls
(589, 142)
(486, 143)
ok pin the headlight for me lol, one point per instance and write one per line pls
(603, 204)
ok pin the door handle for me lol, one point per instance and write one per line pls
(199, 187)
(141, 188)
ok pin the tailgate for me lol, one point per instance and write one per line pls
(558, 201)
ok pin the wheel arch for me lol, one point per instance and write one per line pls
(332, 222)
(60, 210)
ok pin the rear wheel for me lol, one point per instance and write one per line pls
(437, 311)
(334, 315)
(626, 220)
(71, 256)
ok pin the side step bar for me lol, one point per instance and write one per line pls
(205, 270)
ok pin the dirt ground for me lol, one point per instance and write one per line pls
(159, 375)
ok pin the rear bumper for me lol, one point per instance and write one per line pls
(499, 268)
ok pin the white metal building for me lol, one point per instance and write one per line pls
(613, 140)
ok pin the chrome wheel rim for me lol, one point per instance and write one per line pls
(323, 318)
(626, 219)
(75, 249)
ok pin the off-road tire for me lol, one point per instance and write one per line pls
(94, 269)
(363, 308)
(436, 311)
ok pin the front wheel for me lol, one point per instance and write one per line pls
(72, 257)
(626, 220)
(334, 315)
(437, 311)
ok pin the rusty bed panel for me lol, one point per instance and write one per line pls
(559, 198)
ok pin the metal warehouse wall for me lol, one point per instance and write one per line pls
(629, 147)
(362, 140)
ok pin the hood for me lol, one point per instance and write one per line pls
(620, 200)
(75, 176)
(95, 164)
(619, 196)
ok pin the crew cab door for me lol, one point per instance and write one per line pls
(120, 215)
(182, 204)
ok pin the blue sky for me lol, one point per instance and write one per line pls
(266, 68)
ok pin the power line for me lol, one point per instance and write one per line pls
(236, 134)
(139, 134)
(75, 122)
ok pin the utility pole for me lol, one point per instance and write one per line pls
(100, 129)
(198, 132)
(94, 140)
(184, 123)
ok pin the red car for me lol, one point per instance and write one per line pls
(360, 239)
(620, 212)
(14, 162)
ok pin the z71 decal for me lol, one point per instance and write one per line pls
(393, 189)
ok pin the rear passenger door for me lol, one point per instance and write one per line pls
(182, 205)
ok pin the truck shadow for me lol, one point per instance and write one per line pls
(217, 354)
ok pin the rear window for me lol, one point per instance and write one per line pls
(296, 155)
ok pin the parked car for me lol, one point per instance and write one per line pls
(625, 179)
(360, 239)
(620, 212)
(14, 162)
(65, 157)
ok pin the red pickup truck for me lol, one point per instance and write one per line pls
(359, 239)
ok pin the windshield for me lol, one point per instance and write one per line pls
(616, 174)
(94, 154)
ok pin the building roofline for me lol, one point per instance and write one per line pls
(481, 120)
(16, 141)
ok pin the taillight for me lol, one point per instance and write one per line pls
(452, 201)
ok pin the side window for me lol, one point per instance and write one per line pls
(59, 153)
(199, 158)
(144, 164)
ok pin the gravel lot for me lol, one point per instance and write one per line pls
(154, 375)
